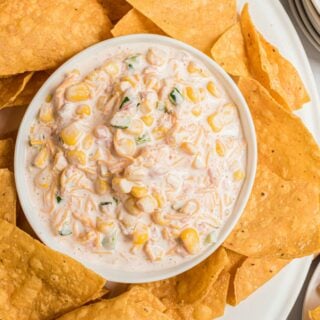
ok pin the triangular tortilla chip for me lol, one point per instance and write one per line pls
(210, 307)
(195, 283)
(315, 314)
(40, 35)
(285, 144)
(6, 153)
(230, 52)
(281, 219)
(8, 196)
(209, 299)
(135, 304)
(198, 23)
(235, 261)
(134, 22)
(116, 9)
(32, 87)
(12, 86)
(270, 68)
(251, 275)
(37, 282)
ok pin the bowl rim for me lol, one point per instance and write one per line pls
(248, 129)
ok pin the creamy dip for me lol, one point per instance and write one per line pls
(140, 161)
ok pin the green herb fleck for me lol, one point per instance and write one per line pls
(120, 127)
(142, 139)
(115, 200)
(175, 96)
(132, 61)
(106, 203)
(124, 101)
(59, 199)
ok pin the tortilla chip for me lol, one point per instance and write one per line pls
(6, 153)
(8, 196)
(285, 144)
(235, 261)
(271, 223)
(32, 87)
(134, 22)
(195, 283)
(37, 282)
(137, 303)
(251, 275)
(40, 35)
(198, 23)
(230, 52)
(11, 87)
(210, 307)
(116, 9)
(315, 314)
(270, 68)
(206, 303)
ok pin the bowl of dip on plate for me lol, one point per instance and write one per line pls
(136, 157)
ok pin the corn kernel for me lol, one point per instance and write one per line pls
(130, 80)
(196, 111)
(159, 132)
(148, 120)
(70, 135)
(192, 94)
(103, 226)
(147, 204)
(46, 114)
(212, 123)
(238, 175)
(101, 186)
(190, 239)
(112, 68)
(87, 141)
(193, 68)
(42, 158)
(159, 198)
(136, 127)
(121, 185)
(189, 148)
(130, 206)
(139, 191)
(49, 98)
(212, 89)
(77, 157)
(140, 235)
(220, 148)
(36, 142)
(125, 147)
(78, 92)
(83, 110)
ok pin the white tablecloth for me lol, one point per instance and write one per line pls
(314, 58)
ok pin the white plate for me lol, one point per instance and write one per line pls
(313, 15)
(312, 297)
(316, 4)
(302, 26)
(275, 299)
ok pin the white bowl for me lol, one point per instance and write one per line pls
(85, 61)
